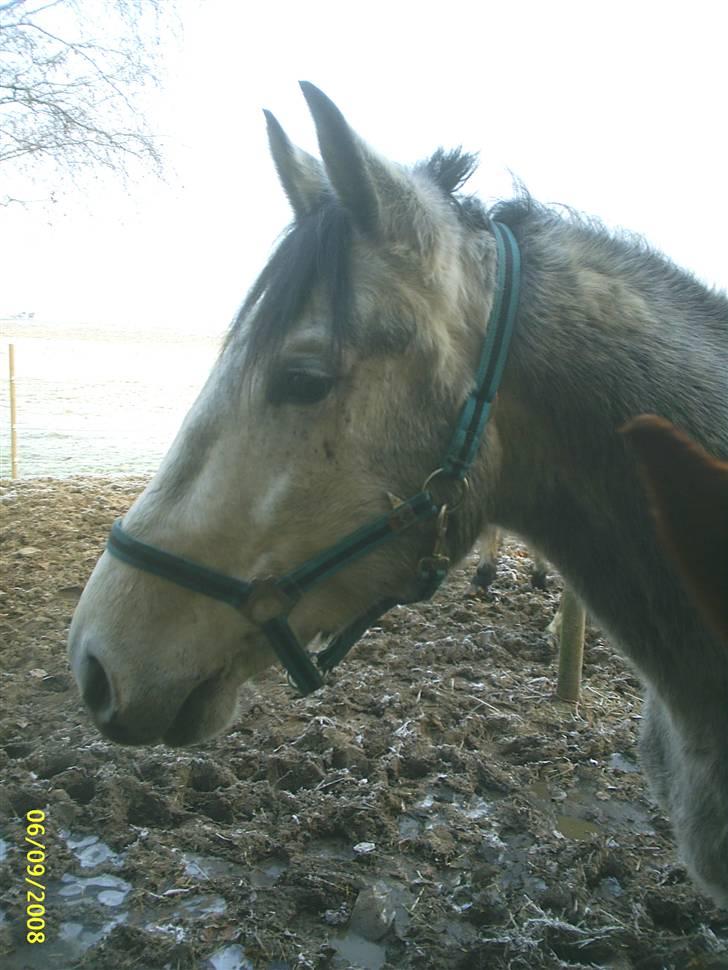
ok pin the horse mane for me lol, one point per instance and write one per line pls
(449, 169)
(631, 252)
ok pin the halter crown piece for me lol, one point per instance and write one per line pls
(268, 602)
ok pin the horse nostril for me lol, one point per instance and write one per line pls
(96, 689)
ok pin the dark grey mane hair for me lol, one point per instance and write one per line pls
(449, 169)
(630, 252)
(315, 252)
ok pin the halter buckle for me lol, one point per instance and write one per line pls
(265, 601)
(401, 517)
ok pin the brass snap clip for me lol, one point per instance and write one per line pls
(439, 561)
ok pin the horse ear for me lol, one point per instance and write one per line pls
(300, 174)
(368, 187)
(688, 492)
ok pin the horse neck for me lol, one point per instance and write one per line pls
(595, 346)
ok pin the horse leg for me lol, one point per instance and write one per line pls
(488, 566)
(539, 570)
(677, 761)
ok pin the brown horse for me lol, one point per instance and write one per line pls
(688, 492)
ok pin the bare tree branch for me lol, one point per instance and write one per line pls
(69, 87)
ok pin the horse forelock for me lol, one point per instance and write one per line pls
(314, 253)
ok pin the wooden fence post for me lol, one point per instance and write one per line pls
(13, 415)
(571, 647)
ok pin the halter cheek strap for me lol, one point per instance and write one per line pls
(267, 602)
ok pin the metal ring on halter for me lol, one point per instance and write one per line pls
(462, 482)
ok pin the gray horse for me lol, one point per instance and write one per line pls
(339, 385)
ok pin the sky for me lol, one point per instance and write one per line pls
(615, 109)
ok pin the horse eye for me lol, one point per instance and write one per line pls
(299, 387)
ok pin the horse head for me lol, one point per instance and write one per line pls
(335, 392)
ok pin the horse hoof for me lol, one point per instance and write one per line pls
(484, 575)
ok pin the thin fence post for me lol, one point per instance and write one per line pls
(571, 647)
(13, 415)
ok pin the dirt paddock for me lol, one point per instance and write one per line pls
(431, 807)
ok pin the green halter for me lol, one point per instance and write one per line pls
(268, 602)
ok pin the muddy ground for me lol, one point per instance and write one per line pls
(431, 807)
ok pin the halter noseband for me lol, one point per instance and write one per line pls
(267, 602)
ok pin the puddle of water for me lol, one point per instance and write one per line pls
(581, 801)
(621, 762)
(409, 828)
(576, 828)
(110, 897)
(263, 877)
(4, 846)
(106, 889)
(84, 928)
(358, 951)
(231, 957)
(373, 912)
(204, 867)
(541, 790)
(94, 904)
(91, 851)
(204, 905)
(156, 918)
(513, 853)
(437, 808)
(332, 849)
(166, 929)
(76, 933)
(478, 808)
(73, 939)
(79, 937)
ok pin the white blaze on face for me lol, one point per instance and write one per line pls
(266, 506)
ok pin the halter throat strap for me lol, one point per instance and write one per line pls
(268, 602)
